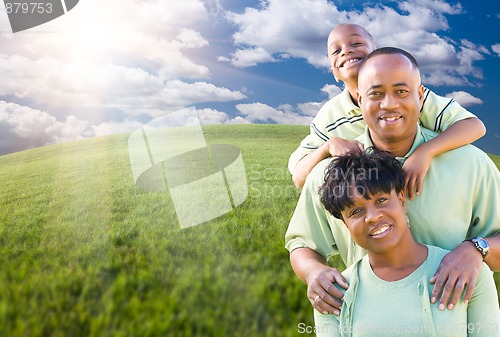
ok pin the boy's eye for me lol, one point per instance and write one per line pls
(335, 52)
(356, 44)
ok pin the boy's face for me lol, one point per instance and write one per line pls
(347, 46)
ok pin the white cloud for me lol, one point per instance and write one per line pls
(331, 90)
(175, 93)
(22, 127)
(191, 38)
(250, 57)
(464, 98)
(140, 67)
(496, 49)
(295, 27)
(211, 116)
(110, 128)
(310, 108)
(299, 29)
(238, 120)
(259, 112)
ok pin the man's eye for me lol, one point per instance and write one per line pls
(374, 94)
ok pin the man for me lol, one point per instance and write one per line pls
(339, 121)
(460, 198)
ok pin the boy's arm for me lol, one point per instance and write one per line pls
(458, 134)
(333, 147)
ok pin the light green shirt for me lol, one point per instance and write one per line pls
(373, 307)
(340, 117)
(460, 199)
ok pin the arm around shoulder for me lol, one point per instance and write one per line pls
(483, 313)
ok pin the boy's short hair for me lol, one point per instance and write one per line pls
(367, 173)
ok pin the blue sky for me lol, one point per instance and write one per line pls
(107, 67)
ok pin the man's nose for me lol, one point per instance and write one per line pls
(389, 102)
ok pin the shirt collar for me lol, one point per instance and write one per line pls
(366, 140)
(346, 103)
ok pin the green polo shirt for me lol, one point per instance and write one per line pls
(340, 117)
(460, 198)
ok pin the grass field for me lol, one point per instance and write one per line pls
(83, 252)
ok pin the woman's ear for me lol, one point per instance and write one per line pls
(402, 198)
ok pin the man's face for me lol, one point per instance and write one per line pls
(347, 46)
(390, 97)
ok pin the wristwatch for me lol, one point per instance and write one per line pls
(481, 245)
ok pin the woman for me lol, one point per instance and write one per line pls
(388, 290)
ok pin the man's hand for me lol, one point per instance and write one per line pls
(313, 269)
(458, 269)
(322, 293)
(340, 146)
(415, 169)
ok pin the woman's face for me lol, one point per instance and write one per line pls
(379, 223)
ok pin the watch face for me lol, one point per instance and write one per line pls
(482, 243)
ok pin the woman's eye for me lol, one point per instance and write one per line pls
(354, 212)
(381, 200)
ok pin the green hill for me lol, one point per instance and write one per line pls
(83, 252)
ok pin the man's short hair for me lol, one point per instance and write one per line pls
(390, 51)
(367, 173)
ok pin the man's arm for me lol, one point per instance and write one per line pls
(460, 268)
(493, 257)
(313, 269)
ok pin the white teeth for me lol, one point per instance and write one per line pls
(391, 119)
(350, 61)
(380, 230)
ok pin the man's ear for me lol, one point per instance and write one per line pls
(359, 98)
(421, 91)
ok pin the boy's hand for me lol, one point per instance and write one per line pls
(339, 146)
(415, 169)
(322, 293)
